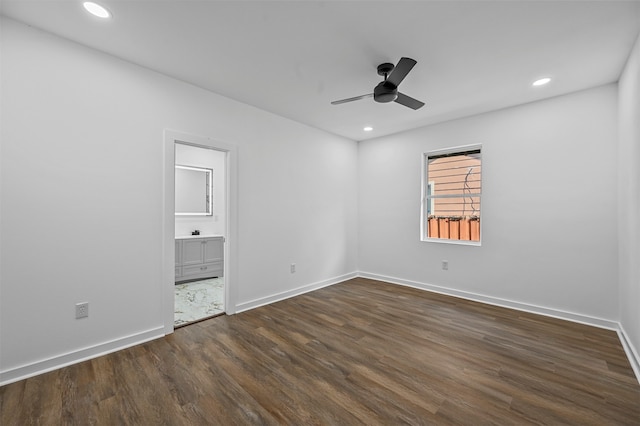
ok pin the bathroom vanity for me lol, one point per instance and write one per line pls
(199, 257)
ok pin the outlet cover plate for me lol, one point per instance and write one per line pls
(82, 310)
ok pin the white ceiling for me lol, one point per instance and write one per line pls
(293, 58)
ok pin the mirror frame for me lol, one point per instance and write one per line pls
(209, 191)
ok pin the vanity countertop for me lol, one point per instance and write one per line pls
(188, 237)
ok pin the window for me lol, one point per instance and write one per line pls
(452, 190)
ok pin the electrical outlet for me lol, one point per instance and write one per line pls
(445, 265)
(293, 268)
(82, 310)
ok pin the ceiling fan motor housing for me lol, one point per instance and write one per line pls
(385, 92)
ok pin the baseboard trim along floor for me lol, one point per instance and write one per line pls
(256, 303)
(631, 352)
(53, 363)
(519, 306)
(362, 351)
(59, 361)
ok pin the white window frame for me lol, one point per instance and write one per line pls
(424, 187)
(432, 205)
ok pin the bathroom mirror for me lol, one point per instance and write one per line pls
(194, 191)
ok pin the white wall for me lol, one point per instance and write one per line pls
(187, 155)
(81, 169)
(82, 198)
(548, 208)
(629, 202)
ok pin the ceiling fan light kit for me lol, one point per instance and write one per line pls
(387, 90)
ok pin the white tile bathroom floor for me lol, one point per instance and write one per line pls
(198, 300)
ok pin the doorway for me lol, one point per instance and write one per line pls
(200, 183)
(199, 234)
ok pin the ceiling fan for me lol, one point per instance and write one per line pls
(387, 90)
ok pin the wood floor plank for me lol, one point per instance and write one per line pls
(360, 352)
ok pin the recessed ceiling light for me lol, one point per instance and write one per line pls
(541, 82)
(368, 129)
(96, 10)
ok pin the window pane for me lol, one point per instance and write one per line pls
(453, 195)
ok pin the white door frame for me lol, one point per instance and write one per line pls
(168, 221)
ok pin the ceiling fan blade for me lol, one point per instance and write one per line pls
(357, 98)
(400, 71)
(408, 101)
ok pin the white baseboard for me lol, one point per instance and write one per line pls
(53, 363)
(549, 312)
(59, 361)
(630, 350)
(256, 303)
(56, 362)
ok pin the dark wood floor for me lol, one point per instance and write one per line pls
(361, 352)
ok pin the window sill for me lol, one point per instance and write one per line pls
(447, 241)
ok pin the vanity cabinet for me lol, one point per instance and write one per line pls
(199, 258)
